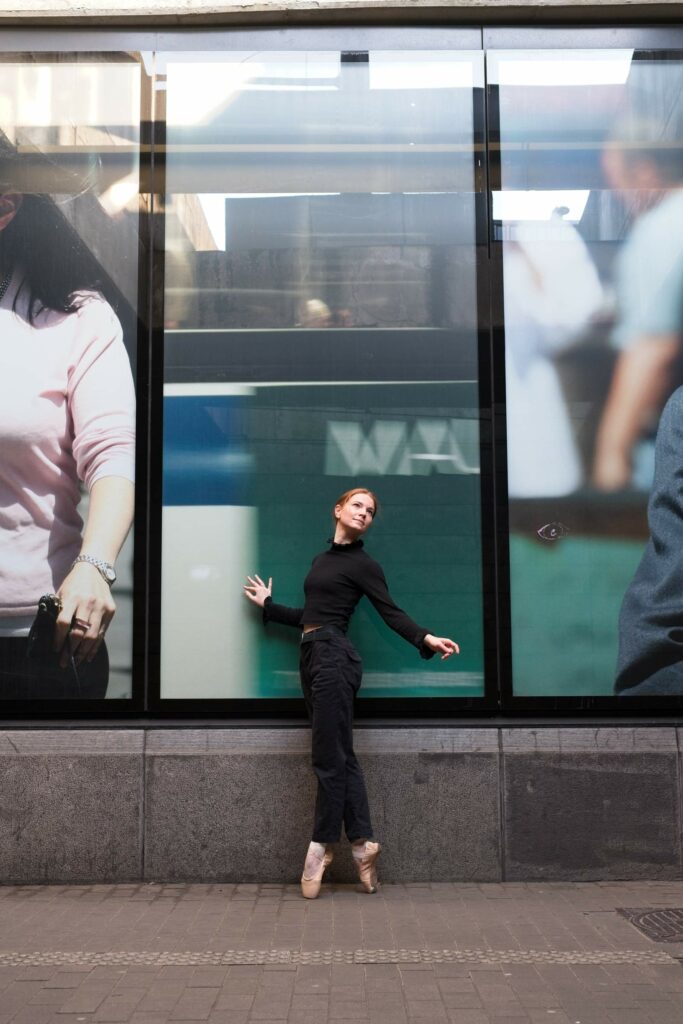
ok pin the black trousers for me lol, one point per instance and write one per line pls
(331, 672)
(21, 679)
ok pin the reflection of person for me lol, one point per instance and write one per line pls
(649, 294)
(342, 318)
(650, 660)
(66, 415)
(551, 291)
(315, 313)
(331, 672)
(650, 633)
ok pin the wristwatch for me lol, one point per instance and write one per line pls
(105, 569)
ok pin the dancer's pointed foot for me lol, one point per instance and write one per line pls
(365, 854)
(318, 858)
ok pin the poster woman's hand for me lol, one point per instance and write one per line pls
(257, 591)
(441, 645)
(87, 610)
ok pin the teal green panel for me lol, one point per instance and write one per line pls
(426, 537)
(565, 599)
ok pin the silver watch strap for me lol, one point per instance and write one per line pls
(105, 569)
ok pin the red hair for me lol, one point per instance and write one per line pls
(347, 495)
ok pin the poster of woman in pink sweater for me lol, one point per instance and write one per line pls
(67, 427)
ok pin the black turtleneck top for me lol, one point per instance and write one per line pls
(335, 583)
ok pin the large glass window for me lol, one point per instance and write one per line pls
(69, 237)
(320, 332)
(589, 210)
(341, 226)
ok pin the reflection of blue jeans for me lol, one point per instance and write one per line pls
(650, 661)
(643, 462)
(668, 682)
(331, 671)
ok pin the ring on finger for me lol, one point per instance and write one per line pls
(80, 624)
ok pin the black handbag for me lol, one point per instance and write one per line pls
(42, 659)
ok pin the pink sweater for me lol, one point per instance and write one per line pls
(67, 413)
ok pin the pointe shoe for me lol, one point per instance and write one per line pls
(314, 869)
(365, 859)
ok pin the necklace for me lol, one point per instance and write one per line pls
(4, 284)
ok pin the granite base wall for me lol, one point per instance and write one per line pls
(235, 804)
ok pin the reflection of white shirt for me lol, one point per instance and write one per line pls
(551, 291)
(67, 413)
(649, 274)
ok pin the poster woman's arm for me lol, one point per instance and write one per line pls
(101, 403)
(85, 595)
(642, 377)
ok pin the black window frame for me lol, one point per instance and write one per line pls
(499, 700)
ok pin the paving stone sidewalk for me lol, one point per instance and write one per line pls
(236, 954)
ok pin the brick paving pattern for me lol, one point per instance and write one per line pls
(230, 954)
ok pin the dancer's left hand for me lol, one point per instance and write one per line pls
(441, 645)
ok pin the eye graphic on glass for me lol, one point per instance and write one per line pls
(553, 531)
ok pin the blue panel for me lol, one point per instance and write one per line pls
(206, 461)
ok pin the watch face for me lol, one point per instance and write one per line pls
(110, 574)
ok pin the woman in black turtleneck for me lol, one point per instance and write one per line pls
(331, 675)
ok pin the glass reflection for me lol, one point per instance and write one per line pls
(591, 168)
(320, 314)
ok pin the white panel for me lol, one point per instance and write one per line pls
(209, 631)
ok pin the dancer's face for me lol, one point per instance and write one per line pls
(357, 513)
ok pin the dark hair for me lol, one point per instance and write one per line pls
(54, 262)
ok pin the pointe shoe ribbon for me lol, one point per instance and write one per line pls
(314, 869)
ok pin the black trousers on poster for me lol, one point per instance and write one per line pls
(331, 672)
